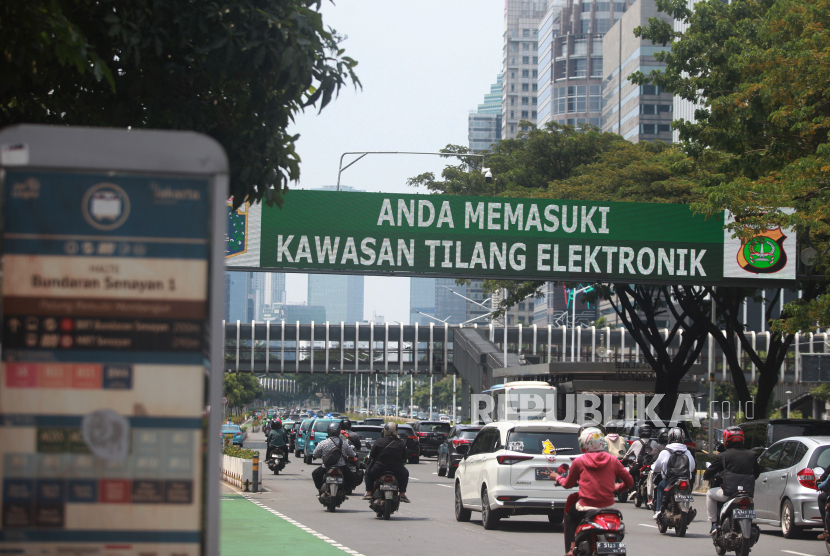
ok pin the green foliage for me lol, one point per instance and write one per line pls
(332, 385)
(761, 69)
(237, 70)
(241, 389)
(601, 322)
(242, 453)
(821, 393)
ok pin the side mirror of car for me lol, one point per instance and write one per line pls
(463, 449)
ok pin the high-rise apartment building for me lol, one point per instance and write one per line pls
(484, 123)
(571, 60)
(684, 109)
(520, 63)
(637, 112)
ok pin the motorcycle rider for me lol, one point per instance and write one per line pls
(348, 434)
(616, 445)
(597, 471)
(277, 440)
(638, 450)
(675, 462)
(333, 443)
(739, 468)
(653, 478)
(388, 456)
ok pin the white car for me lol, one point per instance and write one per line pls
(501, 473)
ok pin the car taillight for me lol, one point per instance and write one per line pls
(456, 442)
(422, 434)
(510, 460)
(807, 478)
(311, 436)
(412, 438)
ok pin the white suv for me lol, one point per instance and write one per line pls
(501, 475)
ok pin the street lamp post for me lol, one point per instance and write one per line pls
(788, 393)
(488, 176)
(573, 320)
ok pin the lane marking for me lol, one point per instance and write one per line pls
(655, 527)
(414, 479)
(796, 553)
(448, 486)
(320, 536)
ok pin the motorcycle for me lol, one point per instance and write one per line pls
(735, 530)
(358, 471)
(677, 511)
(386, 498)
(601, 532)
(622, 496)
(640, 488)
(332, 491)
(277, 461)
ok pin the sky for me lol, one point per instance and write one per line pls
(423, 66)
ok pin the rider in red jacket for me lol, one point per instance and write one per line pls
(597, 471)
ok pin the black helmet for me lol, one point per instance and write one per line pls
(676, 435)
(645, 431)
(663, 436)
(333, 429)
(345, 424)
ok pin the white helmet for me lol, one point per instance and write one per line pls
(592, 440)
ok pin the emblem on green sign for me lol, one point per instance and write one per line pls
(237, 230)
(764, 253)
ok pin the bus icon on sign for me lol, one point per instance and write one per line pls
(106, 206)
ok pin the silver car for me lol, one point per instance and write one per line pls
(785, 493)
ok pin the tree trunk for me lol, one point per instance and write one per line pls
(668, 383)
(767, 379)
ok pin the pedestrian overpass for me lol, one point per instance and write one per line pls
(584, 360)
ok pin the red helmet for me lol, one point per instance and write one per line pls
(733, 436)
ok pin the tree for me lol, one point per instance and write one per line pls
(237, 70)
(333, 385)
(760, 70)
(241, 389)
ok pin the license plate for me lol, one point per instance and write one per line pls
(610, 548)
(388, 487)
(684, 498)
(334, 480)
(743, 514)
(542, 474)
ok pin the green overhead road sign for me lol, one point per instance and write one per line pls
(380, 233)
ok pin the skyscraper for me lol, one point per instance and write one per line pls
(341, 295)
(520, 63)
(484, 123)
(637, 112)
(571, 60)
(421, 300)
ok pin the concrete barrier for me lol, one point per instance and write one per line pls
(237, 471)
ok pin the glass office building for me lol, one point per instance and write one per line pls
(484, 123)
(340, 295)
